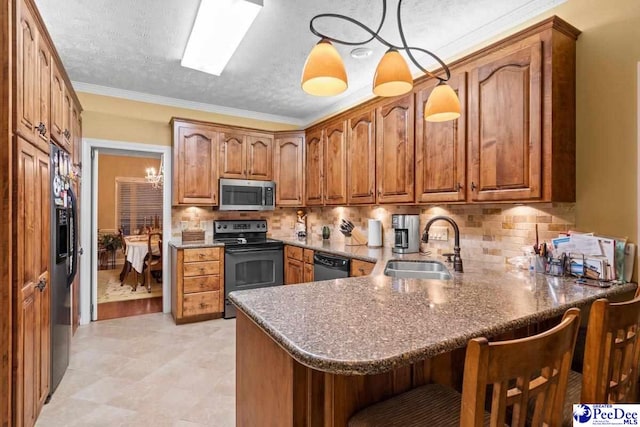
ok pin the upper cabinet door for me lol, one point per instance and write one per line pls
(335, 163)
(195, 180)
(314, 168)
(259, 157)
(26, 74)
(289, 170)
(361, 158)
(441, 148)
(395, 155)
(43, 109)
(66, 120)
(57, 93)
(233, 155)
(505, 127)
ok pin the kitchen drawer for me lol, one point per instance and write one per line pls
(361, 268)
(201, 303)
(294, 252)
(201, 284)
(201, 268)
(201, 254)
(307, 256)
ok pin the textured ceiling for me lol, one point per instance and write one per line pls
(136, 45)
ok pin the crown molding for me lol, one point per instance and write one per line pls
(183, 103)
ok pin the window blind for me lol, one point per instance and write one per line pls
(137, 204)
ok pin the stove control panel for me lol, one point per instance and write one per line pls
(240, 226)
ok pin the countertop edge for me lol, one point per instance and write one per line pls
(372, 367)
(317, 248)
(177, 244)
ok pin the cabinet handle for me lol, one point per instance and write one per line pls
(473, 186)
(41, 285)
(43, 132)
(458, 187)
(202, 305)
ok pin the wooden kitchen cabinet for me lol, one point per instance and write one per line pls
(441, 148)
(66, 120)
(361, 158)
(246, 156)
(307, 257)
(33, 343)
(314, 168)
(361, 268)
(197, 284)
(43, 107)
(27, 73)
(293, 265)
(335, 163)
(394, 150)
(289, 169)
(195, 155)
(57, 95)
(505, 126)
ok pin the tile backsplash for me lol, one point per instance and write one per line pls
(490, 233)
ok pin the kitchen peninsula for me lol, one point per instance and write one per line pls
(330, 348)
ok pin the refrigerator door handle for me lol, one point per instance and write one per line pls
(74, 243)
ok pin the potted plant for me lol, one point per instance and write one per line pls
(110, 242)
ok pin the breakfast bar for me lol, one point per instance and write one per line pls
(313, 354)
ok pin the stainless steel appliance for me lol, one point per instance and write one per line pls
(247, 195)
(64, 261)
(251, 260)
(406, 230)
(327, 267)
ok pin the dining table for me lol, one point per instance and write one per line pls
(137, 248)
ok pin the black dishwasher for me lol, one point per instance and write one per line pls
(327, 267)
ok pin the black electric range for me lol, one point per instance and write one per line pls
(251, 260)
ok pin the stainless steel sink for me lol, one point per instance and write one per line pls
(427, 269)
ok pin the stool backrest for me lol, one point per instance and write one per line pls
(531, 371)
(612, 353)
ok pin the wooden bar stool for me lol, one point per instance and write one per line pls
(611, 357)
(531, 371)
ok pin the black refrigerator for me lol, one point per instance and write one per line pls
(64, 258)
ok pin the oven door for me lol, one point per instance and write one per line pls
(251, 268)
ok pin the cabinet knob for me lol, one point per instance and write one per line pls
(41, 285)
(473, 186)
(458, 187)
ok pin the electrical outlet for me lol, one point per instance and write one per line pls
(439, 233)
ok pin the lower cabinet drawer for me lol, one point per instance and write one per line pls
(201, 284)
(201, 303)
(202, 254)
(201, 268)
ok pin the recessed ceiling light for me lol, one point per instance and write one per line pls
(361, 52)
(217, 31)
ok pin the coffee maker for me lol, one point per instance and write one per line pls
(406, 230)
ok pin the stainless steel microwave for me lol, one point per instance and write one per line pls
(247, 195)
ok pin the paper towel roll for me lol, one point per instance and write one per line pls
(375, 233)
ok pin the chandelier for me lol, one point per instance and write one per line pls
(156, 179)
(324, 73)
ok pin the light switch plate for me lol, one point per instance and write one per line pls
(439, 233)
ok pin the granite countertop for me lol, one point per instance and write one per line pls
(207, 243)
(369, 325)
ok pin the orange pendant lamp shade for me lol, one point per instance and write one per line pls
(443, 104)
(392, 77)
(324, 73)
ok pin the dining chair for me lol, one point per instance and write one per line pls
(611, 361)
(525, 372)
(153, 261)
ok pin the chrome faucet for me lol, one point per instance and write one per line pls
(457, 261)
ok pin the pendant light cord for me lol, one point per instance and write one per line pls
(375, 35)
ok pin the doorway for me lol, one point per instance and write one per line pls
(128, 215)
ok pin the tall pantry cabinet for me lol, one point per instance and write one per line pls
(37, 106)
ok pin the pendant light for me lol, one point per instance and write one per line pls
(392, 76)
(324, 73)
(442, 105)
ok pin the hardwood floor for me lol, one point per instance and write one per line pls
(117, 309)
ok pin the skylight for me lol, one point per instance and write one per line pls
(217, 32)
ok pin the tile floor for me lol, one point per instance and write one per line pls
(146, 371)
